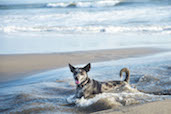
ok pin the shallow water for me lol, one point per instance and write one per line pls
(53, 91)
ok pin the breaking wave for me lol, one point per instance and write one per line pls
(106, 3)
(87, 29)
(86, 4)
(77, 4)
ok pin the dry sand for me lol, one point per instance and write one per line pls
(16, 66)
(159, 107)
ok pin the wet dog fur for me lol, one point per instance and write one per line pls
(88, 88)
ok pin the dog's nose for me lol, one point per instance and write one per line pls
(76, 78)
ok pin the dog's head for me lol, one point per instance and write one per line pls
(80, 74)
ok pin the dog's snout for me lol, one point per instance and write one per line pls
(76, 78)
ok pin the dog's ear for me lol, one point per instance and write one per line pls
(71, 68)
(87, 67)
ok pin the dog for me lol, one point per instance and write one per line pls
(88, 88)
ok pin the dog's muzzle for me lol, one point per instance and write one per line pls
(77, 82)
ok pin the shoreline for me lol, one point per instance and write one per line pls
(13, 67)
(157, 107)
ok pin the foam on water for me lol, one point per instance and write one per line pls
(113, 100)
(89, 29)
(101, 3)
(113, 21)
(64, 4)
(120, 99)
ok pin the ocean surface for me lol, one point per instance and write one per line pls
(52, 26)
(49, 26)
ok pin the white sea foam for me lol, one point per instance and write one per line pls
(87, 29)
(115, 99)
(105, 3)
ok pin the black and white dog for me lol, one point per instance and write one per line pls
(88, 88)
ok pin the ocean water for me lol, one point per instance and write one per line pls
(49, 26)
(52, 26)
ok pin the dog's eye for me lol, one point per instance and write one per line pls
(81, 73)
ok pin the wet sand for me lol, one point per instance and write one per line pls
(20, 65)
(159, 107)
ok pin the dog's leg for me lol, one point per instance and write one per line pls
(87, 95)
(79, 93)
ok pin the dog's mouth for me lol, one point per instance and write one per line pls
(77, 82)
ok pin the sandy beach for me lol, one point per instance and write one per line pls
(17, 66)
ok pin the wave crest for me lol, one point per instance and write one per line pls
(87, 29)
(106, 3)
